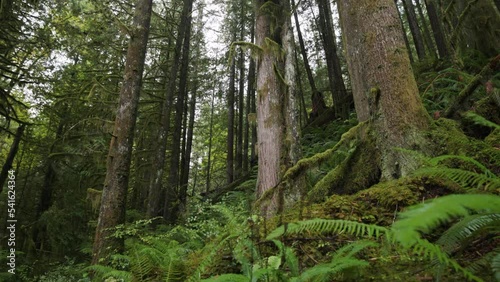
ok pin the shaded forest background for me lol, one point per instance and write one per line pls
(291, 149)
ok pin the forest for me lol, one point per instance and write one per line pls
(249, 140)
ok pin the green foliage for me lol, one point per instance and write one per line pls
(321, 226)
(479, 120)
(480, 178)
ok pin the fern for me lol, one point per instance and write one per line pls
(341, 260)
(485, 180)
(466, 229)
(425, 217)
(329, 226)
(480, 120)
(104, 272)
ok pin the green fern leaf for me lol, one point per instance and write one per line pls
(328, 226)
(467, 228)
(480, 120)
(425, 217)
(462, 177)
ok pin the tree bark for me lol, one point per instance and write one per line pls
(414, 28)
(241, 104)
(273, 85)
(112, 211)
(249, 108)
(230, 120)
(384, 88)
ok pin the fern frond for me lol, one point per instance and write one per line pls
(437, 160)
(462, 177)
(495, 266)
(329, 226)
(323, 272)
(291, 259)
(485, 262)
(467, 228)
(428, 250)
(480, 120)
(425, 217)
(107, 272)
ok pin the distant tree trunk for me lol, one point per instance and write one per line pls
(210, 139)
(273, 87)
(250, 93)
(230, 122)
(407, 43)
(155, 186)
(341, 99)
(175, 197)
(114, 195)
(437, 29)
(318, 102)
(186, 160)
(414, 28)
(12, 154)
(384, 88)
(298, 78)
(241, 98)
(426, 33)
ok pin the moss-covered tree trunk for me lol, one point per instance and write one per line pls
(277, 128)
(384, 88)
(112, 211)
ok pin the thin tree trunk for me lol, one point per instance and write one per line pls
(426, 32)
(230, 122)
(12, 154)
(250, 90)
(341, 99)
(437, 29)
(113, 203)
(414, 28)
(175, 197)
(210, 135)
(407, 42)
(318, 102)
(155, 186)
(241, 104)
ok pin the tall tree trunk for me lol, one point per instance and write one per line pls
(384, 88)
(241, 99)
(437, 29)
(113, 202)
(341, 99)
(174, 197)
(426, 33)
(414, 28)
(318, 101)
(407, 43)
(250, 93)
(155, 186)
(230, 120)
(273, 87)
(210, 140)
(12, 154)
